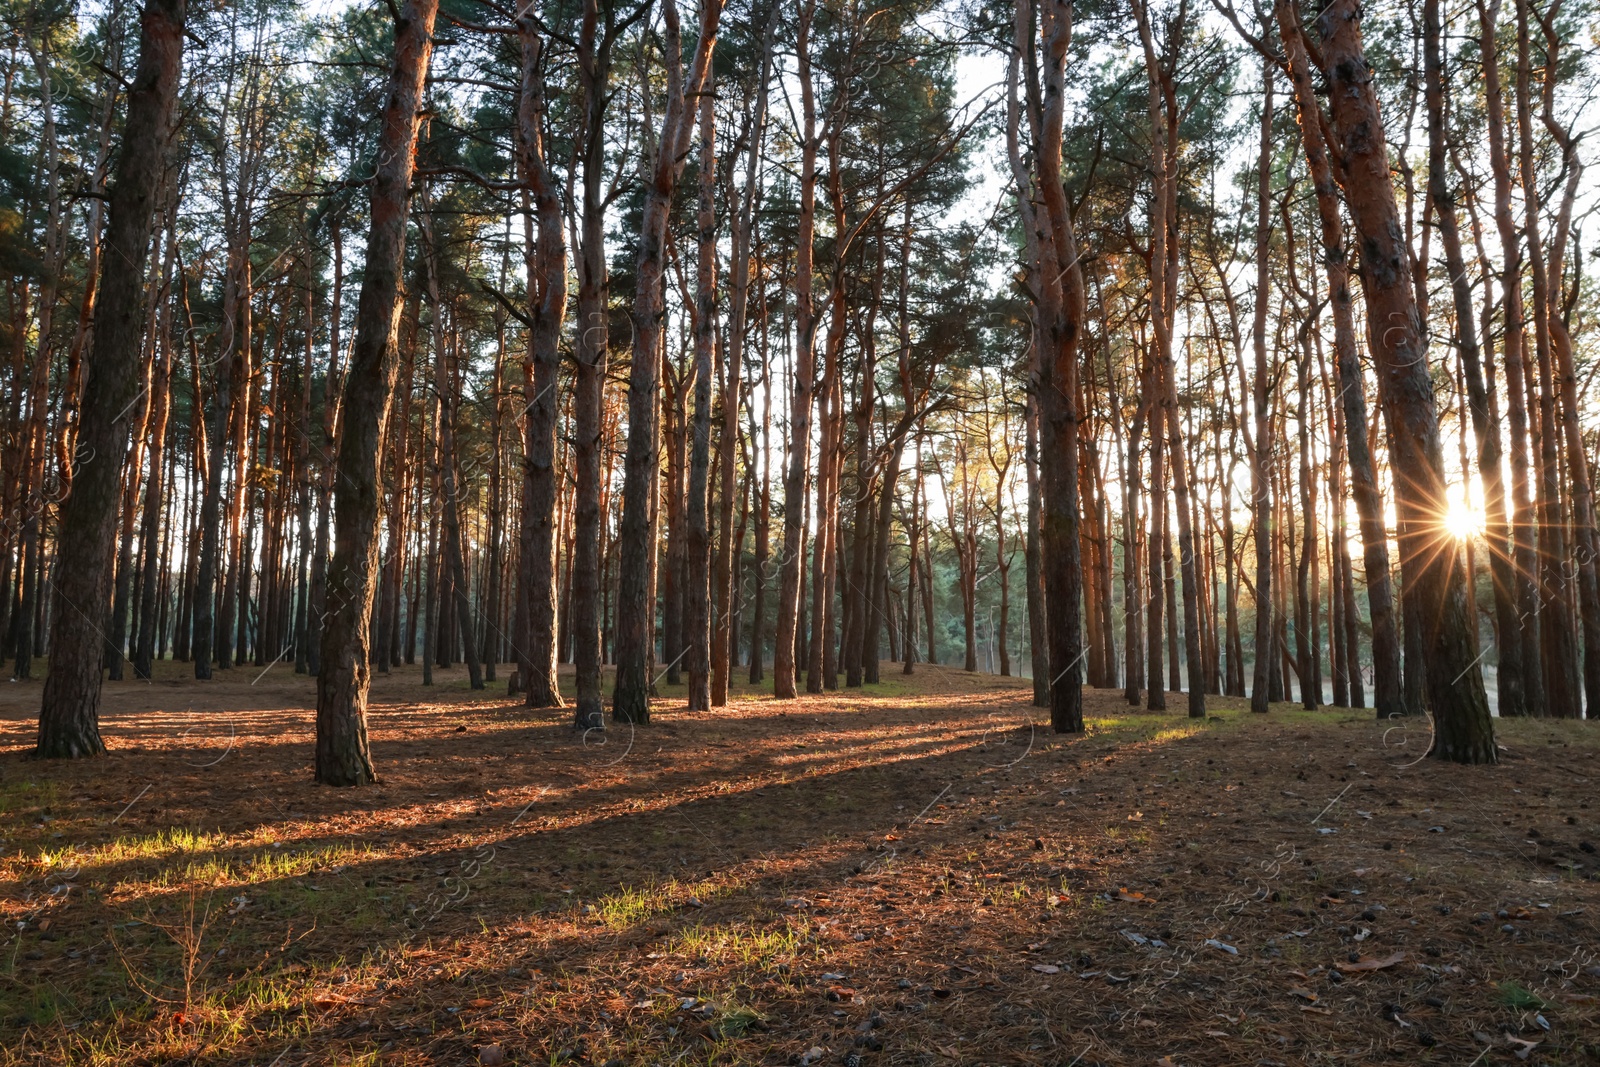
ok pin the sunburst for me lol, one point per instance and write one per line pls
(1462, 520)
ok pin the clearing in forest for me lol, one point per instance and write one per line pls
(913, 873)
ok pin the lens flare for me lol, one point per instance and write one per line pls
(1463, 521)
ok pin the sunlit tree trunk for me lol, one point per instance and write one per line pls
(631, 699)
(792, 561)
(763, 532)
(1463, 729)
(69, 708)
(155, 486)
(1586, 537)
(1486, 429)
(547, 305)
(1261, 447)
(446, 390)
(741, 224)
(343, 756)
(1512, 345)
(1038, 645)
(1558, 633)
(698, 575)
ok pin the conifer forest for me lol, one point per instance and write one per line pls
(866, 532)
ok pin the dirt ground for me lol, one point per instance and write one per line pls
(914, 873)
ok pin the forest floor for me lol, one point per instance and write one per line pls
(913, 873)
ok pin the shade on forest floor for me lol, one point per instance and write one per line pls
(753, 884)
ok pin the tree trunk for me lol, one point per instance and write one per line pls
(343, 756)
(1261, 459)
(1387, 693)
(724, 651)
(763, 534)
(1155, 538)
(1510, 671)
(1558, 645)
(792, 561)
(631, 699)
(547, 304)
(1061, 314)
(588, 400)
(447, 389)
(149, 537)
(1463, 730)
(698, 574)
(69, 708)
(1512, 344)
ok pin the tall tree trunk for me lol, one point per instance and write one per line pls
(878, 606)
(1586, 537)
(631, 699)
(1558, 643)
(1164, 289)
(343, 756)
(698, 575)
(1486, 430)
(1512, 344)
(763, 532)
(547, 289)
(1061, 314)
(792, 561)
(1027, 208)
(149, 536)
(1386, 673)
(1156, 538)
(447, 389)
(741, 223)
(592, 349)
(1261, 447)
(1463, 730)
(1131, 591)
(69, 708)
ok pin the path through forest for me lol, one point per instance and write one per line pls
(917, 873)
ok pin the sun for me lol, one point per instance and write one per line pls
(1463, 521)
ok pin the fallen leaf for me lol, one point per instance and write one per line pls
(1519, 1048)
(1047, 968)
(1304, 994)
(1316, 1011)
(1369, 963)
